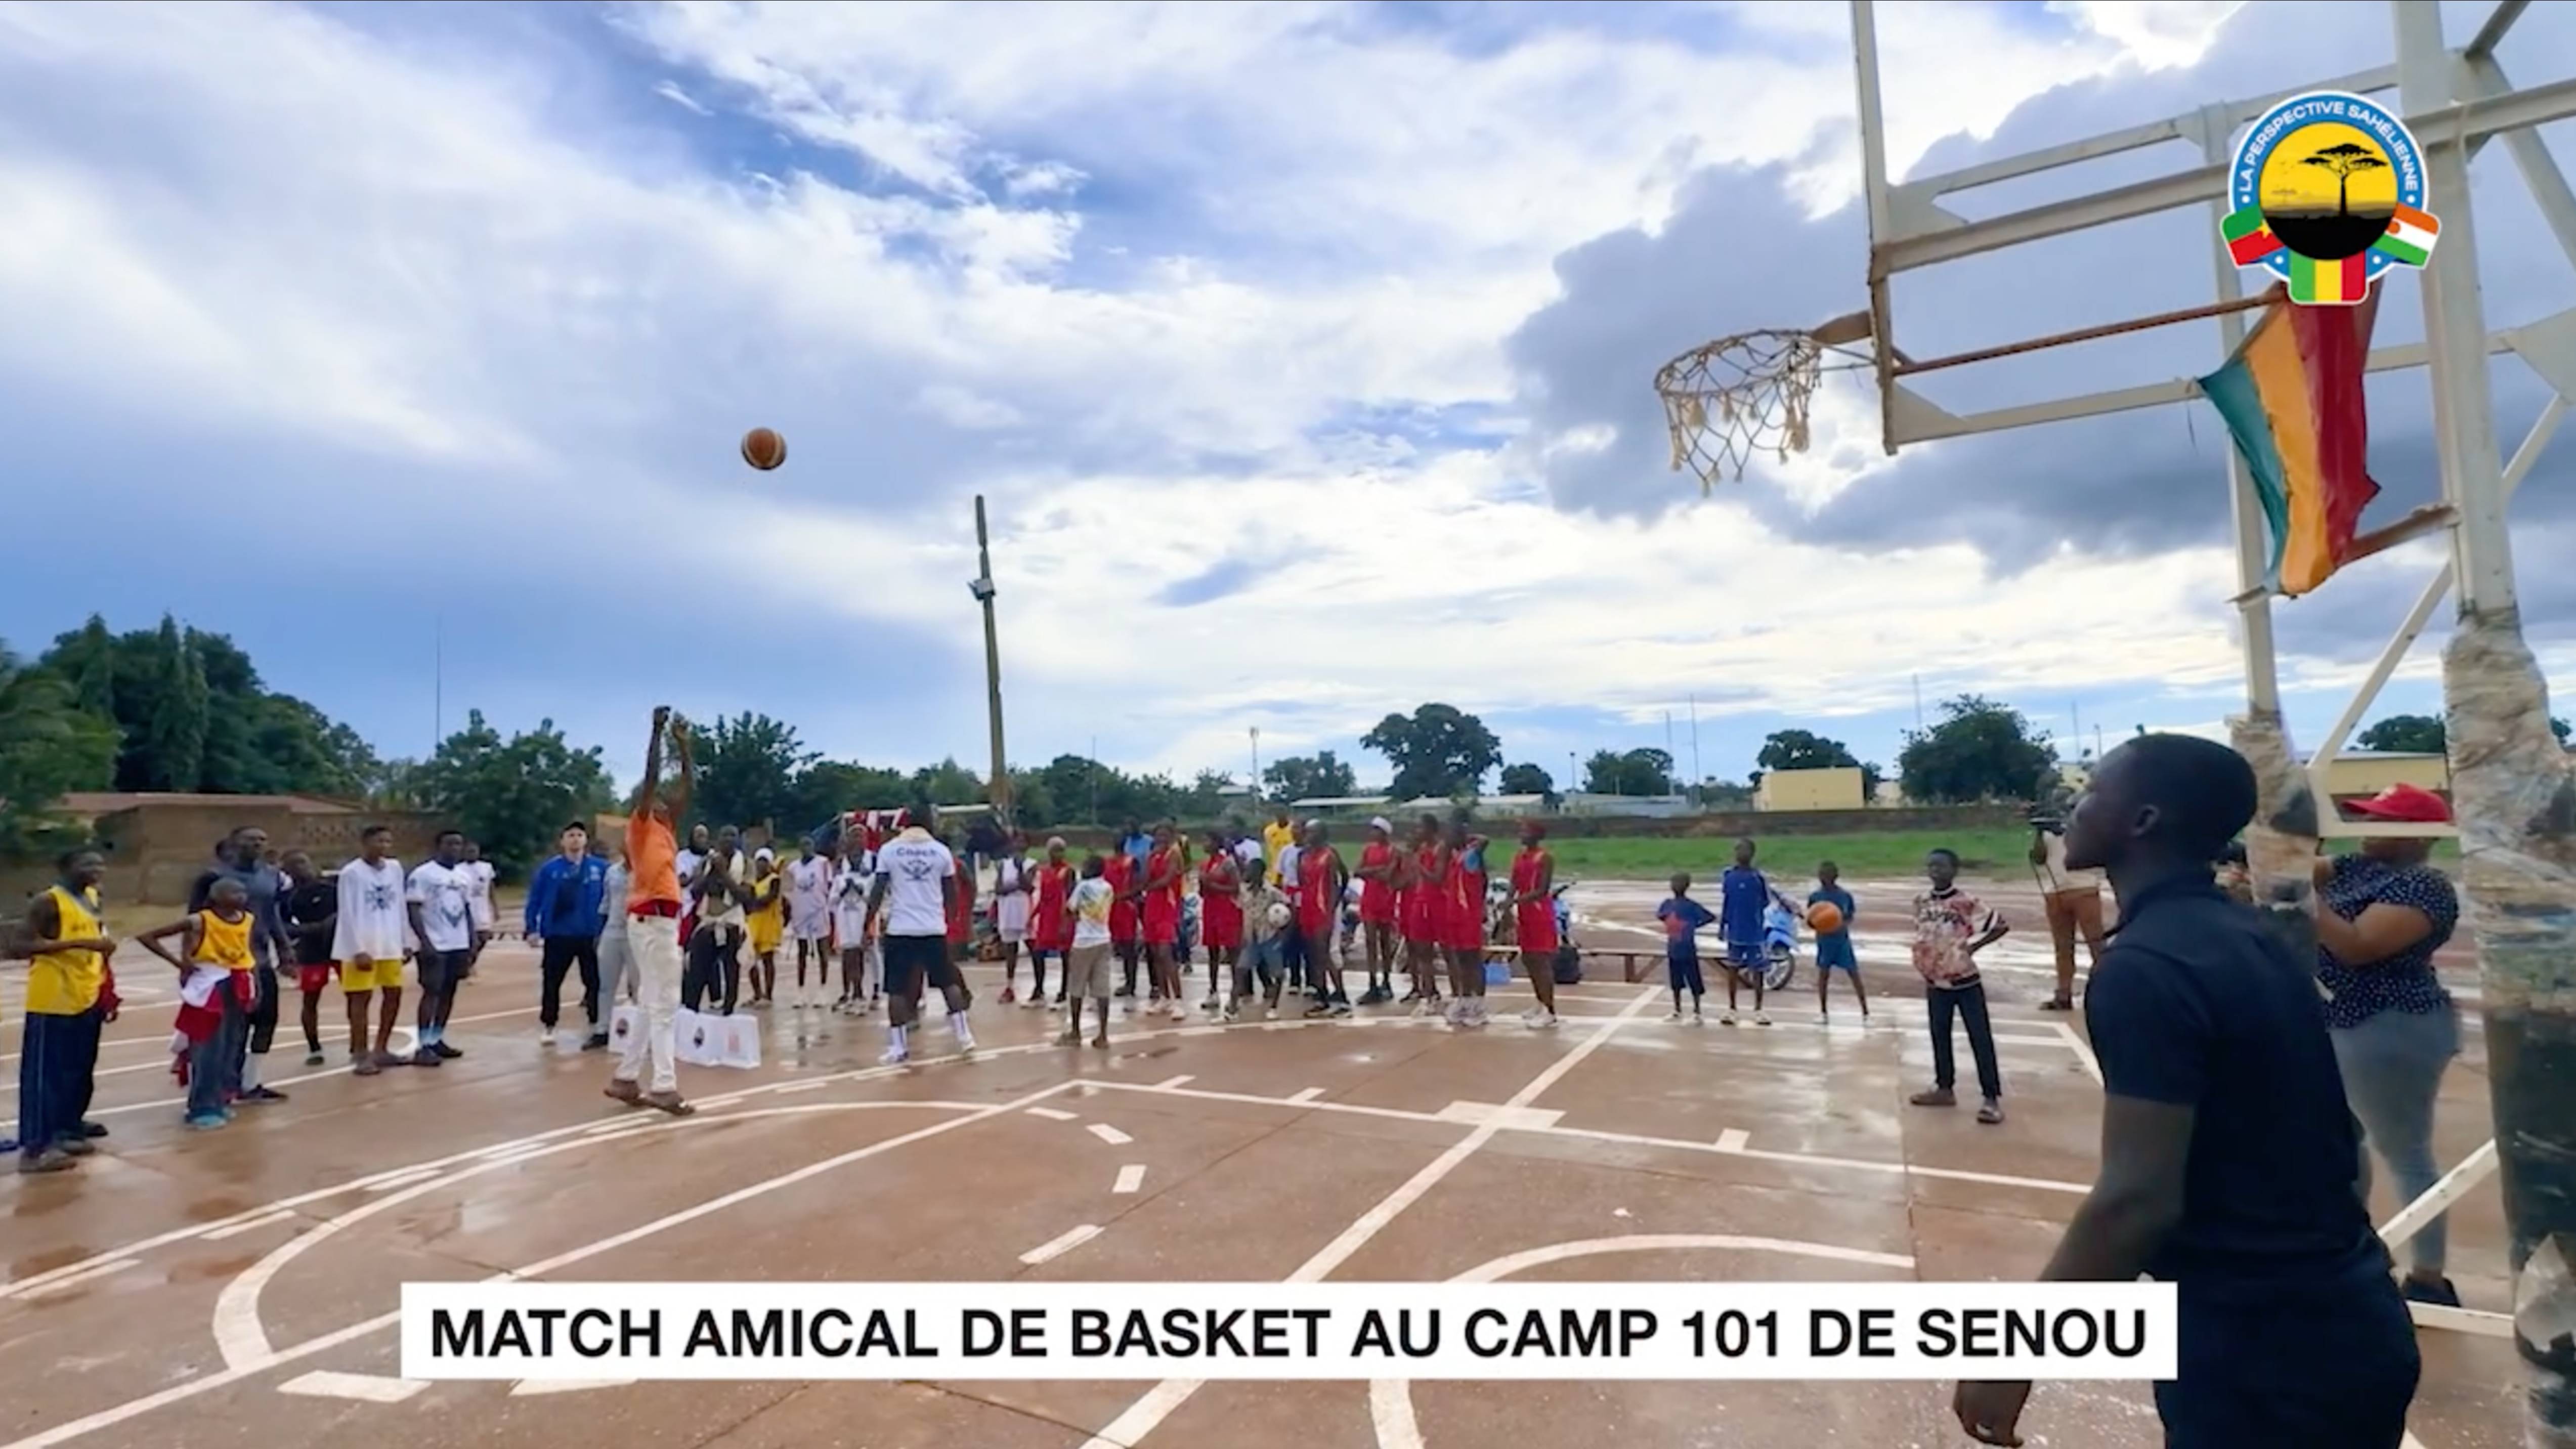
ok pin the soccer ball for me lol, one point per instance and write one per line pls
(1277, 915)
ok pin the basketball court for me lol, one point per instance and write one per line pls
(241, 1286)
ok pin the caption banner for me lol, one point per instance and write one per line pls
(1234, 1331)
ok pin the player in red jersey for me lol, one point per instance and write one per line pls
(1425, 913)
(1320, 879)
(1534, 919)
(1126, 921)
(1466, 936)
(1159, 915)
(1221, 914)
(1051, 921)
(1377, 910)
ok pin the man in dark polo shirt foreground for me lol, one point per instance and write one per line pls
(2230, 1163)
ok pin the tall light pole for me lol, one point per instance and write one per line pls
(1256, 763)
(982, 588)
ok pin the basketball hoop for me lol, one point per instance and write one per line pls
(1748, 394)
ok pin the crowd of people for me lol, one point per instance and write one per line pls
(1268, 914)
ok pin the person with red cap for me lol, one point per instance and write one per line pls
(2381, 914)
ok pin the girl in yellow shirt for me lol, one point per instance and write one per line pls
(765, 921)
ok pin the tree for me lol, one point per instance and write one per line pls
(1638, 772)
(173, 737)
(1980, 750)
(2343, 159)
(49, 746)
(2423, 734)
(948, 783)
(1438, 751)
(747, 770)
(1307, 777)
(1803, 750)
(1528, 779)
(826, 788)
(512, 796)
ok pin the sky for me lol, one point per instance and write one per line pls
(1301, 352)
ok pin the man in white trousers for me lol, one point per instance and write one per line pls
(653, 911)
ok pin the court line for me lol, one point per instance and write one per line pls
(366, 1388)
(1391, 1400)
(1729, 1143)
(1109, 1134)
(2083, 1051)
(1130, 1178)
(231, 1230)
(1160, 1402)
(1057, 1247)
(359, 1183)
(70, 1281)
(242, 1338)
(400, 1033)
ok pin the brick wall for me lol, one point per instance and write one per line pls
(155, 852)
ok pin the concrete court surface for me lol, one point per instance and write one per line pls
(239, 1287)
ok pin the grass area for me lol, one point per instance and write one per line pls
(1876, 853)
(1990, 853)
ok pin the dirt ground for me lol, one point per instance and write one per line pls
(239, 1287)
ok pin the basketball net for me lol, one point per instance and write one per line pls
(1748, 394)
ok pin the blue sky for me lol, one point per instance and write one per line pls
(1301, 351)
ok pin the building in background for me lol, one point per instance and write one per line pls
(1837, 787)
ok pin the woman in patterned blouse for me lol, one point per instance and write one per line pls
(2381, 914)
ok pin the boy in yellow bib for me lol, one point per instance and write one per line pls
(215, 994)
(58, 1060)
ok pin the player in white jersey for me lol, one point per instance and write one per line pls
(809, 917)
(862, 968)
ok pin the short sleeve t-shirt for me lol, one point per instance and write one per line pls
(1682, 917)
(306, 911)
(1944, 923)
(910, 867)
(2196, 1004)
(371, 912)
(1091, 912)
(478, 892)
(445, 895)
(1742, 897)
(1839, 899)
(2405, 981)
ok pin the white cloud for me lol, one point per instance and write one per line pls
(1209, 300)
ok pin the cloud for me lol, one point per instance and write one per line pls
(1299, 351)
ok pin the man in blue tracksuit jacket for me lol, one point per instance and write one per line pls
(567, 904)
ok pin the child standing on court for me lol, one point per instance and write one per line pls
(1744, 895)
(1950, 928)
(215, 989)
(1087, 972)
(1683, 918)
(1834, 948)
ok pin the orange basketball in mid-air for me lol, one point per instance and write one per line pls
(1824, 917)
(762, 448)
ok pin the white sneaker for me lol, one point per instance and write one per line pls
(1761, 1018)
(1035, 1003)
(1726, 1018)
(1824, 1018)
(1537, 1018)
(895, 1056)
(1676, 1017)
(545, 1036)
(1698, 1020)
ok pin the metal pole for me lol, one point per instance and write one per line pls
(2253, 550)
(1256, 764)
(2510, 783)
(999, 793)
(1698, 778)
(437, 682)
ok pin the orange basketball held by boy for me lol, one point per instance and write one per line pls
(763, 448)
(1824, 918)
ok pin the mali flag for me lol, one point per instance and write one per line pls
(2292, 400)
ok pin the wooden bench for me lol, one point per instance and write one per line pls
(1634, 966)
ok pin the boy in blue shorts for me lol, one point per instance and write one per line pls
(1834, 948)
(1744, 895)
(1683, 918)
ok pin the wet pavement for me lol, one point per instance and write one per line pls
(238, 1287)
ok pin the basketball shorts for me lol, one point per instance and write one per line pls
(1834, 953)
(1090, 972)
(1750, 956)
(385, 973)
(314, 975)
(442, 970)
(915, 962)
